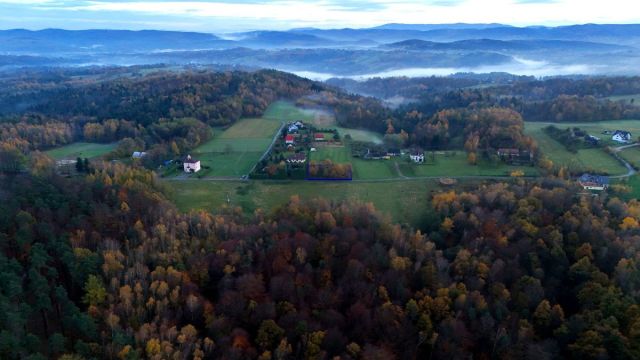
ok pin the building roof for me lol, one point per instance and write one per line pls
(298, 157)
(509, 151)
(289, 138)
(621, 132)
(589, 179)
(318, 136)
(190, 160)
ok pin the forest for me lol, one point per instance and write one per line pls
(103, 266)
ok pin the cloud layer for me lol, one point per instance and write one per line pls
(228, 16)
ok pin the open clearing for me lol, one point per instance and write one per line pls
(235, 150)
(455, 164)
(81, 149)
(585, 159)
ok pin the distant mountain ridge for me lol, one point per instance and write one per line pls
(377, 51)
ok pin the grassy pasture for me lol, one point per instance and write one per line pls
(81, 149)
(361, 135)
(455, 164)
(632, 155)
(235, 150)
(337, 154)
(584, 159)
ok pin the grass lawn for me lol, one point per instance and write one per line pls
(337, 154)
(374, 169)
(361, 135)
(633, 183)
(81, 149)
(584, 159)
(287, 111)
(235, 150)
(236, 163)
(404, 201)
(456, 165)
(632, 155)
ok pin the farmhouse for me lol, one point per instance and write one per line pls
(289, 139)
(191, 165)
(293, 128)
(621, 136)
(593, 182)
(318, 137)
(299, 158)
(417, 156)
(138, 154)
(512, 155)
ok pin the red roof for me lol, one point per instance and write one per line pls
(289, 138)
(318, 136)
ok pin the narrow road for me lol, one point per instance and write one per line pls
(630, 170)
(399, 171)
(273, 142)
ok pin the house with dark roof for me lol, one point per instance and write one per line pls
(191, 165)
(621, 136)
(593, 182)
(298, 158)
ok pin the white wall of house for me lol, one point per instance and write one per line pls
(192, 167)
(417, 158)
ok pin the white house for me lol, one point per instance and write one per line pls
(293, 128)
(138, 154)
(621, 136)
(191, 165)
(417, 156)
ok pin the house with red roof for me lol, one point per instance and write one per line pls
(318, 137)
(289, 139)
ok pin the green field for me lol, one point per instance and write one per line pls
(405, 201)
(337, 154)
(374, 169)
(81, 149)
(235, 150)
(584, 159)
(361, 135)
(455, 164)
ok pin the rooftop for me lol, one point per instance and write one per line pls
(593, 179)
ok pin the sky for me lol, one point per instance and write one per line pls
(226, 16)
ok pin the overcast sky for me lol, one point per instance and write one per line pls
(228, 16)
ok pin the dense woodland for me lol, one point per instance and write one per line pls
(104, 267)
(167, 114)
